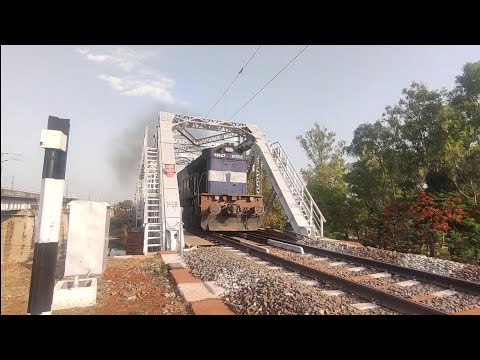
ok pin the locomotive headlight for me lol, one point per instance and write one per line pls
(259, 209)
(251, 198)
(215, 209)
(228, 149)
(217, 197)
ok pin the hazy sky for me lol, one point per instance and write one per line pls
(110, 92)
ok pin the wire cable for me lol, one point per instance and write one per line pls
(239, 73)
(305, 48)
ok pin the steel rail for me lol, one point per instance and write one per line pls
(466, 286)
(380, 297)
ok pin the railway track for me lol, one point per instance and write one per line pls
(416, 275)
(253, 286)
(377, 296)
(378, 288)
(418, 286)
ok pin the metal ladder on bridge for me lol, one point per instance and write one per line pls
(299, 190)
(300, 208)
(152, 209)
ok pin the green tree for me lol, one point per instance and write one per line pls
(465, 96)
(326, 155)
(381, 155)
(465, 103)
(324, 179)
(469, 174)
(429, 139)
(126, 205)
(464, 239)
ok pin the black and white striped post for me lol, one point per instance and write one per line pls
(55, 141)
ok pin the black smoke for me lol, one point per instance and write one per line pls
(126, 149)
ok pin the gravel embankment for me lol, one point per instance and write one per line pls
(414, 261)
(454, 303)
(253, 288)
(458, 302)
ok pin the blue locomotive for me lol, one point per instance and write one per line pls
(213, 192)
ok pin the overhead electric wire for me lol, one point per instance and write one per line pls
(239, 73)
(305, 48)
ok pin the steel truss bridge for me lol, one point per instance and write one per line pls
(177, 141)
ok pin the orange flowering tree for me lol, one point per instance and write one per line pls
(424, 221)
(434, 215)
(395, 227)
